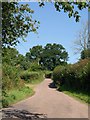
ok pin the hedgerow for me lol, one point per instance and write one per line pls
(30, 76)
(11, 77)
(48, 74)
(74, 76)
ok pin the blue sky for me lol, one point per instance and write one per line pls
(55, 27)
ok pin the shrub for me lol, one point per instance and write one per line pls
(85, 54)
(58, 75)
(74, 76)
(11, 77)
(29, 76)
(5, 102)
(48, 74)
(35, 67)
(12, 96)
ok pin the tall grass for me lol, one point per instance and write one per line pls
(16, 95)
(80, 95)
(13, 84)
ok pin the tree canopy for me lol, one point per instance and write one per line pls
(17, 19)
(81, 42)
(69, 8)
(12, 57)
(48, 56)
(17, 22)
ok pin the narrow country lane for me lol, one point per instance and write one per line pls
(53, 103)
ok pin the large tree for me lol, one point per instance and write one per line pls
(9, 56)
(17, 22)
(53, 55)
(69, 8)
(17, 19)
(81, 42)
(48, 56)
(12, 57)
(85, 54)
(34, 53)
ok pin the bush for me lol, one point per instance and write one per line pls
(58, 75)
(85, 54)
(5, 102)
(15, 95)
(35, 67)
(29, 76)
(74, 76)
(11, 77)
(48, 74)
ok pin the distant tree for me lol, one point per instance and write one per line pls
(28, 57)
(35, 53)
(85, 54)
(9, 56)
(53, 55)
(22, 62)
(48, 57)
(12, 57)
(81, 41)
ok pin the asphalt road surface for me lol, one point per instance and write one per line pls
(47, 100)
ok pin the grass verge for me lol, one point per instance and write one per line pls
(32, 84)
(36, 80)
(79, 95)
(16, 95)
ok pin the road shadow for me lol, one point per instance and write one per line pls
(11, 114)
(52, 85)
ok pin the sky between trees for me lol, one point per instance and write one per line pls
(54, 27)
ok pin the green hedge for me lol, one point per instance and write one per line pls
(15, 95)
(11, 77)
(48, 74)
(35, 67)
(30, 76)
(74, 76)
(58, 74)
